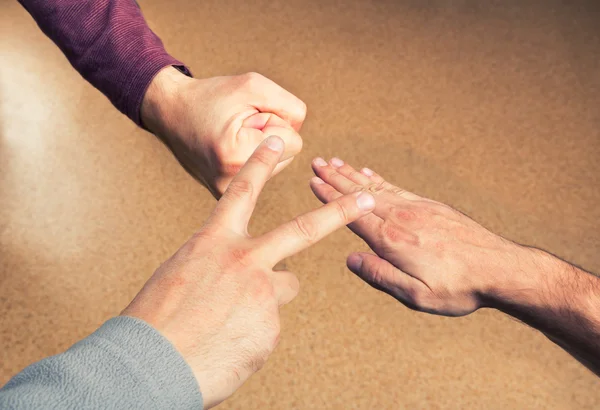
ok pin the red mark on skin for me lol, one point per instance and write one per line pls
(173, 281)
(405, 215)
(239, 255)
(178, 281)
(230, 169)
(396, 234)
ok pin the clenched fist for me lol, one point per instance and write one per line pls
(213, 125)
(217, 299)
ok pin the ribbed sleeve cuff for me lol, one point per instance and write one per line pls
(152, 359)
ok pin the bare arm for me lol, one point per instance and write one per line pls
(562, 301)
(435, 259)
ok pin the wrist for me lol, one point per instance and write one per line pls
(537, 280)
(522, 276)
(162, 100)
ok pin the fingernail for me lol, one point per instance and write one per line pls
(336, 162)
(275, 143)
(320, 162)
(365, 201)
(317, 180)
(367, 172)
(355, 262)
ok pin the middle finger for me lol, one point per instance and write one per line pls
(330, 175)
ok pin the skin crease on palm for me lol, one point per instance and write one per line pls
(213, 125)
(218, 298)
(429, 256)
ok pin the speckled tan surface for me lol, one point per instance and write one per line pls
(492, 108)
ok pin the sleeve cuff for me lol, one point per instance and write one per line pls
(146, 71)
(152, 359)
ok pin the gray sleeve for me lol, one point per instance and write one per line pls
(125, 364)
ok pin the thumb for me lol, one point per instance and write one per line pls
(260, 125)
(285, 285)
(384, 276)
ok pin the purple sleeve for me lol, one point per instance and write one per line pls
(109, 43)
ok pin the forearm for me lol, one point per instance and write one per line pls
(108, 42)
(124, 364)
(559, 299)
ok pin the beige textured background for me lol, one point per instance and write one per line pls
(493, 107)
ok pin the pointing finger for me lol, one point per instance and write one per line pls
(306, 230)
(239, 200)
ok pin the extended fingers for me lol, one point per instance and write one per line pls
(370, 180)
(367, 227)
(237, 204)
(382, 275)
(306, 230)
(330, 174)
(346, 179)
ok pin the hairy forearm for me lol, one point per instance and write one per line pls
(557, 298)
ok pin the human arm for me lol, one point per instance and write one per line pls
(124, 364)
(109, 43)
(215, 302)
(435, 259)
(212, 125)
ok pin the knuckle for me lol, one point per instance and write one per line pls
(377, 188)
(305, 229)
(240, 188)
(353, 175)
(377, 274)
(302, 109)
(300, 145)
(405, 215)
(251, 78)
(393, 234)
(240, 256)
(341, 212)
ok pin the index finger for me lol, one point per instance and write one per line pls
(308, 229)
(237, 203)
